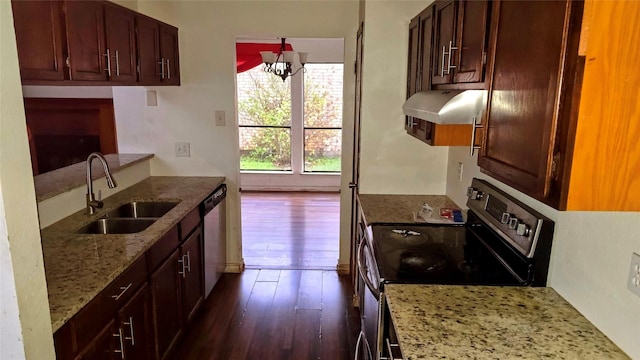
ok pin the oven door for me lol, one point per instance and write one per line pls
(370, 310)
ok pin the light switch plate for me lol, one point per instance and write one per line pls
(220, 118)
(633, 283)
(183, 149)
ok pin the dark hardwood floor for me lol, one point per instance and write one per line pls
(290, 230)
(275, 314)
(290, 303)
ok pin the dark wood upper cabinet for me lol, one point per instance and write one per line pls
(158, 52)
(460, 43)
(86, 40)
(470, 58)
(39, 28)
(120, 35)
(527, 92)
(92, 42)
(444, 41)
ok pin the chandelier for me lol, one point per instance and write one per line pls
(281, 64)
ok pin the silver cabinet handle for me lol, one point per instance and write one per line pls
(444, 53)
(124, 290)
(474, 127)
(161, 68)
(186, 264)
(390, 347)
(120, 339)
(108, 69)
(357, 354)
(117, 64)
(131, 338)
(449, 66)
(362, 269)
(168, 70)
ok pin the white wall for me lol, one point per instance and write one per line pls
(27, 333)
(207, 32)
(391, 161)
(590, 257)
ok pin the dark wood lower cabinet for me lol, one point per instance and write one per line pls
(192, 278)
(105, 346)
(166, 299)
(135, 321)
(141, 315)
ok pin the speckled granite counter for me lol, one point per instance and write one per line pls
(398, 209)
(61, 180)
(482, 322)
(79, 266)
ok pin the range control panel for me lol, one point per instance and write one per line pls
(514, 221)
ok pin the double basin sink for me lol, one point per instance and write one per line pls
(129, 218)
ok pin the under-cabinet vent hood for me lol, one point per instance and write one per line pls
(447, 106)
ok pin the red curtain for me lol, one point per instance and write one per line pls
(248, 54)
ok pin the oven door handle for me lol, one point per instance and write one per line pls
(362, 269)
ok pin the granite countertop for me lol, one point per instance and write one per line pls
(485, 322)
(79, 266)
(398, 209)
(64, 179)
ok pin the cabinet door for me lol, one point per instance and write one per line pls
(149, 51)
(136, 323)
(86, 41)
(523, 101)
(192, 274)
(470, 57)
(121, 39)
(426, 47)
(170, 55)
(107, 345)
(446, 15)
(39, 36)
(167, 305)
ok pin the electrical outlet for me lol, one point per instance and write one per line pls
(183, 149)
(634, 275)
(220, 120)
(460, 170)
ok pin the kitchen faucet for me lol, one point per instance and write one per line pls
(92, 203)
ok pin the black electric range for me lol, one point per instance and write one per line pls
(503, 242)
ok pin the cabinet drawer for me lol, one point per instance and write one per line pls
(104, 306)
(189, 223)
(162, 248)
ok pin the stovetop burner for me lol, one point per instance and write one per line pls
(416, 261)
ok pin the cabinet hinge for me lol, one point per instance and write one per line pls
(67, 61)
(484, 58)
(138, 69)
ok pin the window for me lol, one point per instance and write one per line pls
(295, 125)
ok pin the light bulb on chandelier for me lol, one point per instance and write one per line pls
(281, 64)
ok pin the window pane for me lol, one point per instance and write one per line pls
(263, 99)
(322, 150)
(265, 148)
(323, 95)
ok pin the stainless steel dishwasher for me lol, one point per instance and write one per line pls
(215, 237)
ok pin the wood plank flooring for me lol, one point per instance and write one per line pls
(290, 230)
(274, 314)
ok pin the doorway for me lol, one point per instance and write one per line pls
(290, 143)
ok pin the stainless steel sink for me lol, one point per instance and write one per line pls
(141, 209)
(116, 226)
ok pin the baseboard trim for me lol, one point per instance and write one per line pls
(343, 269)
(235, 268)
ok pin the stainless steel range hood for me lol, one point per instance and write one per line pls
(447, 106)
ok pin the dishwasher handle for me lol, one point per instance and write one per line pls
(214, 199)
